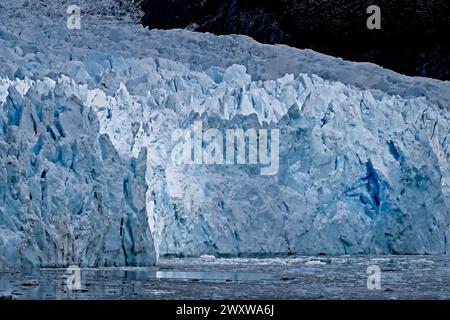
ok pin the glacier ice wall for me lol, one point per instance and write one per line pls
(67, 196)
(364, 164)
(360, 171)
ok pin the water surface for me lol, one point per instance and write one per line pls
(344, 277)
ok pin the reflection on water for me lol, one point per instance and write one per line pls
(403, 277)
(213, 276)
(110, 282)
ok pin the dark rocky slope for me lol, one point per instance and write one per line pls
(413, 39)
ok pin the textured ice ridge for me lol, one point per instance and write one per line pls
(67, 196)
(360, 171)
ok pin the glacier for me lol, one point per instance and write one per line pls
(68, 197)
(360, 171)
(364, 154)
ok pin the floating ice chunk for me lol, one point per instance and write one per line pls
(207, 257)
(315, 263)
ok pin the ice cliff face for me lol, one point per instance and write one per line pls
(364, 156)
(360, 171)
(67, 196)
